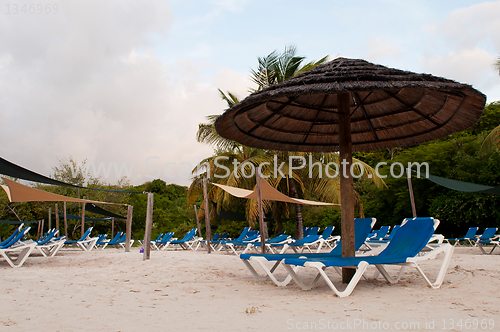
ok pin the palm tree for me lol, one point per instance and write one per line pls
(492, 141)
(272, 69)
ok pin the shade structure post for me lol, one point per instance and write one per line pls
(128, 227)
(38, 231)
(57, 216)
(41, 228)
(197, 220)
(149, 225)
(65, 221)
(410, 189)
(208, 232)
(346, 183)
(112, 227)
(50, 218)
(83, 217)
(261, 211)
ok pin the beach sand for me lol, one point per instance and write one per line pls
(109, 290)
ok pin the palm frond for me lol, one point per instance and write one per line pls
(491, 142)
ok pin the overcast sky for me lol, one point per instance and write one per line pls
(127, 82)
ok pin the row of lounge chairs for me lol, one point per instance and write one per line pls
(487, 238)
(15, 250)
(408, 247)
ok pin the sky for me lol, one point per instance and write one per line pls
(124, 84)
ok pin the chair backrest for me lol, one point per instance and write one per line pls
(189, 235)
(48, 237)
(327, 232)
(7, 240)
(251, 237)
(471, 232)
(159, 237)
(86, 234)
(488, 233)
(116, 238)
(243, 234)
(393, 232)
(216, 237)
(16, 238)
(122, 238)
(362, 227)
(410, 239)
(383, 231)
(278, 239)
(311, 231)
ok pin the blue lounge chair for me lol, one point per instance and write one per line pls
(308, 241)
(232, 246)
(410, 239)
(186, 242)
(469, 237)
(49, 245)
(14, 244)
(203, 243)
(14, 234)
(86, 243)
(224, 239)
(379, 234)
(101, 239)
(278, 240)
(159, 244)
(362, 227)
(113, 241)
(488, 238)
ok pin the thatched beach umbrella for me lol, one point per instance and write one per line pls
(351, 105)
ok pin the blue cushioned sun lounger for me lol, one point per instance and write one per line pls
(362, 227)
(410, 239)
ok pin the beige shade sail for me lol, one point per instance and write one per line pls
(17, 192)
(268, 193)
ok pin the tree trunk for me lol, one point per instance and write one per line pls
(299, 228)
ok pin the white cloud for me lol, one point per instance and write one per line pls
(382, 48)
(471, 35)
(473, 26)
(86, 83)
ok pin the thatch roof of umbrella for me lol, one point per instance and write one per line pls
(389, 108)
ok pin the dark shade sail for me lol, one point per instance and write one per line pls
(10, 169)
(91, 207)
(72, 216)
(13, 170)
(464, 186)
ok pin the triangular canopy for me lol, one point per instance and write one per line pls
(20, 193)
(268, 193)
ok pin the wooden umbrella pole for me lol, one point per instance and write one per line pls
(410, 189)
(57, 216)
(50, 218)
(261, 212)
(83, 217)
(128, 227)
(149, 225)
(197, 220)
(112, 227)
(346, 184)
(208, 232)
(65, 221)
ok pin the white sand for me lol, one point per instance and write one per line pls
(115, 291)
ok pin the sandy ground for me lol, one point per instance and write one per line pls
(109, 290)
